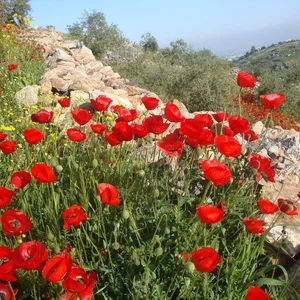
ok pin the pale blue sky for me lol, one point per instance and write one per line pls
(223, 26)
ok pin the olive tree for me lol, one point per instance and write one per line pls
(96, 33)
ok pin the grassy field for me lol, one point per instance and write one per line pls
(117, 209)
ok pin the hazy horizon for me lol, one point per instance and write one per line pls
(223, 27)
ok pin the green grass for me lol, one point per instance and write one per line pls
(134, 247)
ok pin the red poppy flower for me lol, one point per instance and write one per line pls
(5, 196)
(150, 102)
(228, 146)
(227, 131)
(11, 67)
(216, 172)
(7, 266)
(73, 216)
(190, 127)
(98, 128)
(6, 292)
(173, 113)
(43, 173)
(220, 116)
(138, 130)
(20, 179)
(155, 124)
(3, 136)
(101, 103)
(81, 116)
(33, 135)
(171, 144)
(8, 147)
(79, 282)
(76, 135)
(108, 194)
(258, 162)
(287, 206)
(31, 255)
(272, 100)
(14, 223)
(204, 137)
(249, 135)
(122, 131)
(64, 102)
(254, 226)
(256, 293)
(42, 116)
(270, 173)
(209, 214)
(206, 259)
(111, 139)
(245, 80)
(57, 268)
(267, 206)
(204, 120)
(117, 108)
(238, 124)
(127, 115)
(192, 142)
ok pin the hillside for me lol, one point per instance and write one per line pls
(277, 70)
(275, 57)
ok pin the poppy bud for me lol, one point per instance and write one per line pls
(116, 246)
(59, 168)
(167, 230)
(190, 267)
(95, 163)
(57, 249)
(271, 123)
(141, 173)
(125, 214)
(159, 251)
(156, 193)
(50, 236)
(187, 281)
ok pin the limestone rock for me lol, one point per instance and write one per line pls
(61, 78)
(29, 95)
(83, 55)
(86, 85)
(62, 58)
(258, 127)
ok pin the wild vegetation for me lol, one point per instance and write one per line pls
(277, 68)
(198, 78)
(113, 209)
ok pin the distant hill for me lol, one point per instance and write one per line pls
(275, 57)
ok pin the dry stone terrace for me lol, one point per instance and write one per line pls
(74, 71)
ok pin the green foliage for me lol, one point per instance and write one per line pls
(9, 8)
(149, 42)
(27, 58)
(96, 34)
(197, 78)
